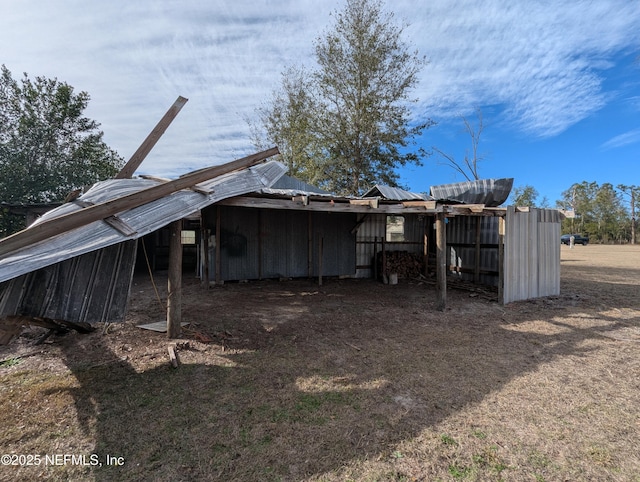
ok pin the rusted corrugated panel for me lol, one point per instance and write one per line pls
(90, 288)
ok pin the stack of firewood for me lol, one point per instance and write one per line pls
(405, 264)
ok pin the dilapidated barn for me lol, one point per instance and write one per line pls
(250, 221)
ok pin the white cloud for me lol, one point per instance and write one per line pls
(542, 61)
(631, 137)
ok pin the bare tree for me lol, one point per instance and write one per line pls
(469, 166)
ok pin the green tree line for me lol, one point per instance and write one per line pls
(48, 148)
(606, 213)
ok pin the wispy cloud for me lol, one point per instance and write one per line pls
(631, 137)
(543, 61)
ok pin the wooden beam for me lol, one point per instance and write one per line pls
(419, 204)
(174, 286)
(67, 222)
(130, 167)
(441, 262)
(318, 205)
(371, 202)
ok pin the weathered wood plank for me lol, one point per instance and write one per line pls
(130, 167)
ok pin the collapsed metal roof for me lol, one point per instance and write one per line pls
(490, 192)
(395, 194)
(137, 222)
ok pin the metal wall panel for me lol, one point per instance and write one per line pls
(461, 244)
(91, 288)
(268, 243)
(373, 230)
(285, 246)
(532, 254)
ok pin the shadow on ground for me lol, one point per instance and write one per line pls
(311, 381)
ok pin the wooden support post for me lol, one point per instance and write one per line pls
(476, 271)
(320, 254)
(218, 260)
(309, 246)
(501, 234)
(204, 276)
(174, 289)
(260, 232)
(441, 262)
(425, 251)
(384, 259)
(375, 257)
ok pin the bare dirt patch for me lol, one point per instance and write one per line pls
(353, 380)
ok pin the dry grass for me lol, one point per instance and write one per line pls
(351, 381)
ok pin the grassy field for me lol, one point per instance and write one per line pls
(354, 380)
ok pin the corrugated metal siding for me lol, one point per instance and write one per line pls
(532, 254)
(373, 230)
(461, 244)
(285, 243)
(90, 288)
(267, 243)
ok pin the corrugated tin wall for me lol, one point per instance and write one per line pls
(461, 248)
(271, 243)
(373, 230)
(91, 288)
(531, 254)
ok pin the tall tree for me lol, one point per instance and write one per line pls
(287, 122)
(634, 203)
(524, 196)
(47, 146)
(356, 113)
(599, 212)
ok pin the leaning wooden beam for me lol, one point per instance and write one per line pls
(130, 167)
(67, 222)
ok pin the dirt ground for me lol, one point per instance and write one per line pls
(352, 380)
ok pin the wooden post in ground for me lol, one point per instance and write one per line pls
(205, 234)
(501, 273)
(174, 288)
(218, 249)
(441, 262)
(320, 255)
(476, 271)
(425, 252)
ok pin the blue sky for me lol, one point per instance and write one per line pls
(558, 82)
